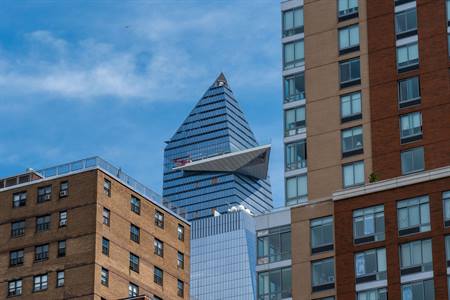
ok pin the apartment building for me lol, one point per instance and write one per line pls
(87, 230)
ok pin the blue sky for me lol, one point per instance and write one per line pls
(116, 78)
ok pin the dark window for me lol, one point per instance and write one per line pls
(63, 189)
(62, 218)
(294, 87)
(412, 160)
(370, 265)
(41, 252)
(296, 190)
(134, 233)
(416, 257)
(292, 21)
(352, 141)
(321, 234)
(134, 262)
(40, 283)
(406, 23)
(351, 107)
(368, 224)
(296, 155)
(159, 219)
(413, 215)
(410, 127)
(158, 276)
(44, 194)
(294, 120)
(180, 232)
(275, 284)
(180, 260)
(180, 288)
(18, 228)
(409, 92)
(135, 205)
(105, 246)
(16, 258)
(159, 247)
(407, 57)
(106, 214)
(107, 187)
(322, 274)
(104, 277)
(19, 199)
(133, 290)
(348, 39)
(59, 278)
(43, 223)
(274, 245)
(349, 73)
(61, 248)
(15, 288)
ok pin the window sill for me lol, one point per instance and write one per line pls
(323, 287)
(400, 2)
(321, 249)
(407, 68)
(347, 84)
(349, 50)
(348, 16)
(406, 34)
(409, 103)
(411, 139)
(351, 118)
(352, 152)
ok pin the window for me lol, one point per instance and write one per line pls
(159, 219)
(274, 246)
(323, 274)
(296, 190)
(351, 107)
(411, 127)
(446, 199)
(107, 187)
(294, 120)
(44, 194)
(158, 276)
(349, 73)
(412, 160)
(321, 234)
(17, 228)
(40, 283)
(407, 57)
(374, 294)
(349, 39)
(353, 174)
(296, 155)
(134, 262)
(406, 23)
(63, 189)
(447, 249)
(105, 246)
(448, 44)
(180, 288)
(41, 252)
(368, 224)
(134, 233)
(43, 223)
(347, 9)
(59, 278)
(409, 92)
(158, 247)
(352, 141)
(292, 22)
(135, 205)
(16, 258)
(294, 54)
(413, 215)
(448, 12)
(418, 290)
(62, 218)
(15, 288)
(370, 265)
(294, 88)
(19, 199)
(61, 248)
(133, 290)
(106, 214)
(104, 277)
(275, 284)
(180, 260)
(180, 232)
(416, 257)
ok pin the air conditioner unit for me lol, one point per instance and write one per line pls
(63, 193)
(62, 222)
(47, 197)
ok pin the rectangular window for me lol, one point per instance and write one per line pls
(348, 39)
(15, 288)
(374, 294)
(351, 107)
(296, 155)
(41, 253)
(294, 88)
(107, 187)
(59, 278)
(407, 57)
(135, 233)
(43, 223)
(368, 224)
(412, 160)
(180, 260)
(275, 284)
(353, 174)
(134, 262)
(180, 232)
(416, 257)
(413, 215)
(411, 127)
(296, 190)
(159, 219)
(17, 228)
(447, 250)
(44, 194)
(322, 274)
(135, 205)
(105, 246)
(294, 54)
(448, 12)
(19, 199)
(40, 283)
(274, 246)
(347, 9)
(16, 258)
(158, 276)
(409, 92)
(406, 23)
(158, 247)
(349, 73)
(63, 189)
(292, 22)
(104, 277)
(133, 290)
(61, 248)
(418, 290)
(180, 288)
(62, 218)
(106, 214)
(352, 141)
(370, 265)
(321, 234)
(446, 199)
(294, 121)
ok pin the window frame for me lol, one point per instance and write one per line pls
(158, 278)
(180, 232)
(418, 204)
(411, 101)
(409, 64)
(353, 115)
(273, 239)
(104, 276)
(291, 151)
(45, 224)
(416, 268)
(350, 47)
(353, 164)
(135, 233)
(60, 281)
(16, 257)
(292, 80)
(446, 205)
(298, 126)
(295, 29)
(284, 290)
(320, 223)
(299, 198)
(133, 290)
(20, 230)
(44, 193)
(348, 13)
(411, 151)
(379, 274)
(329, 284)
(354, 150)
(297, 61)
(105, 246)
(41, 252)
(134, 262)
(413, 136)
(158, 247)
(106, 219)
(159, 219)
(19, 199)
(352, 81)
(15, 287)
(42, 285)
(369, 213)
(135, 205)
(407, 32)
(62, 250)
(63, 218)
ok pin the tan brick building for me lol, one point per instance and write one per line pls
(86, 230)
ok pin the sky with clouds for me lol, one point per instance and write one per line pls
(116, 78)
